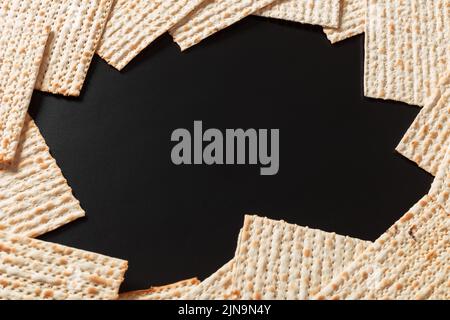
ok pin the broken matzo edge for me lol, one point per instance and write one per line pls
(440, 189)
(174, 291)
(34, 269)
(428, 138)
(133, 25)
(352, 22)
(34, 195)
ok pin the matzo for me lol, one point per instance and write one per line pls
(76, 27)
(406, 48)
(318, 12)
(133, 25)
(440, 189)
(217, 286)
(409, 261)
(34, 196)
(174, 291)
(352, 21)
(277, 260)
(211, 17)
(34, 269)
(21, 50)
(428, 138)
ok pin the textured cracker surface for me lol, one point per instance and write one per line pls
(211, 17)
(21, 51)
(428, 138)
(34, 195)
(409, 261)
(440, 189)
(34, 269)
(352, 21)
(76, 27)
(318, 12)
(277, 260)
(217, 286)
(175, 291)
(133, 25)
(406, 48)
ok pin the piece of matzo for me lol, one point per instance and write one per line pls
(133, 25)
(277, 260)
(428, 138)
(34, 269)
(440, 189)
(409, 261)
(21, 51)
(76, 27)
(406, 48)
(174, 291)
(318, 12)
(34, 195)
(211, 17)
(352, 21)
(217, 286)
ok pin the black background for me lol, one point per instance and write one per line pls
(338, 168)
